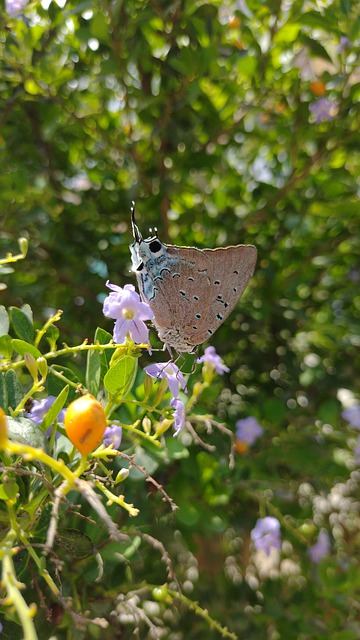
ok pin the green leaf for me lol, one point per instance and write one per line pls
(6, 347)
(26, 431)
(4, 321)
(54, 384)
(121, 376)
(316, 48)
(104, 337)
(93, 372)
(3, 393)
(345, 7)
(55, 409)
(22, 325)
(78, 544)
(14, 389)
(22, 347)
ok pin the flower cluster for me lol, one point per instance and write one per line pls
(266, 534)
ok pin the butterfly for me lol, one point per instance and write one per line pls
(190, 291)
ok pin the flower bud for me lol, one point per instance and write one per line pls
(31, 365)
(146, 424)
(42, 366)
(23, 246)
(122, 475)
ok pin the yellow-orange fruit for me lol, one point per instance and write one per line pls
(85, 423)
(317, 88)
(241, 447)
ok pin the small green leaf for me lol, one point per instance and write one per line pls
(4, 321)
(11, 489)
(26, 431)
(103, 337)
(55, 409)
(78, 544)
(120, 377)
(14, 389)
(93, 371)
(22, 347)
(6, 348)
(22, 325)
(52, 334)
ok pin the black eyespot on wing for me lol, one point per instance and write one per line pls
(216, 282)
(210, 332)
(198, 315)
(196, 298)
(182, 293)
(140, 267)
(155, 246)
(219, 316)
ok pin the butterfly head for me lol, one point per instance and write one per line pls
(142, 250)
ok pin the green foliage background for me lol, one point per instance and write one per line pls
(200, 112)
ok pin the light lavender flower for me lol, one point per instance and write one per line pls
(112, 435)
(179, 414)
(322, 110)
(266, 534)
(210, 356)
(352, 416)
(321, 548)
(248, 430)
(40, 408)
(170, 372)
(15, 7)
(124, 306)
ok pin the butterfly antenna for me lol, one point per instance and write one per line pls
(135, 229)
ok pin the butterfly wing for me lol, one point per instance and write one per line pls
(201, 289)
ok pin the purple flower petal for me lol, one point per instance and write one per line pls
(112, 435)
(171, 372)
(179, 414)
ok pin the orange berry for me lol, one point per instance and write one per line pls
(234, 22)
(241, 447)
(85, 423)
(317, 88)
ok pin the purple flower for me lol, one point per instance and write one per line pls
(15, 7)
(352, 415)
(124, 306)
(248, 430)
(179, 414)
(321, 548)
(344, 44)
(171, 372)
(266, 534)
(40, 409)
(213, 358)
(112, 435)
(323, 110)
